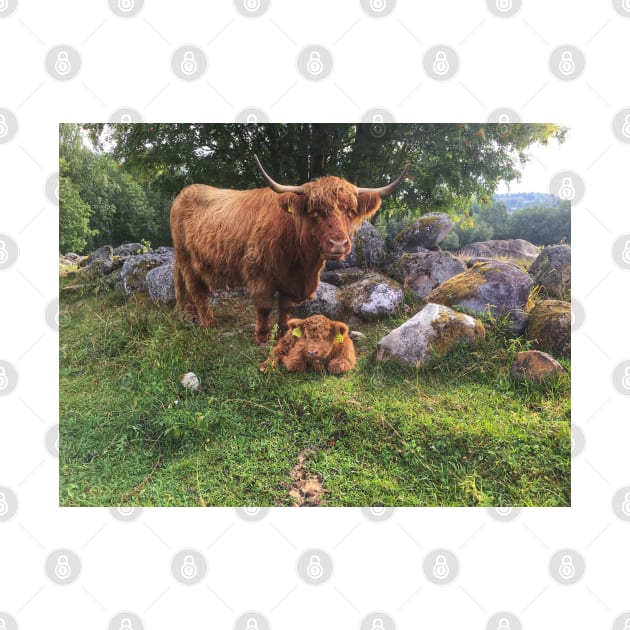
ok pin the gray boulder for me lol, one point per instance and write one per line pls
(326, 302)
(427, 232)
(552, 271)
(424, 271)
(343, 276)
(135, 269)
(161, 284)
(516, 248)
(535, 366)
(100, 262)
(368, 250)
(374, 297)
(496, 287)
(429, 334)
(130, 249)
(549, 327)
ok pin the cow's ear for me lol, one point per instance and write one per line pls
(292, 203)
(368, 204)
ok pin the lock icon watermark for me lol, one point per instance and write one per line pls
(252, 624)
(567, 63)
(4, 252)
(63, 65)
(251, 5)
(125, 118)
(189, 64)
(504, 624)
(126, 5)
(4, 506)
(125, 624)
(440, 63)
(189, 569)
(314, 64)
(567, 189)
(440, 568)
(625, 128)
(625, 254)
(567, 568)
(252, 119)
(504, 5)
(314, 568)
(4, 128)
(378, 5)
(63, 570)
(378, 624)
(4, 380)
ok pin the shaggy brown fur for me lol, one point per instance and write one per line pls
(263, 240)
(322, 344)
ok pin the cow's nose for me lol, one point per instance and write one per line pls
(337, 244)
(312, 353)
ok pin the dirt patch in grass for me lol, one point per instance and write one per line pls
(306, 489)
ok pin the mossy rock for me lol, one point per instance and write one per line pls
(325, 302)
(426, 232)
(512, 248)
(549, 327)
(495, 288)
(552, 271)
(536, 366)
(429, 334)
(424, 271)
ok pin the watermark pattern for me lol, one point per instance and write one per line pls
(315, 566)
(63, 62)
(189, 62)
(440, 566)
(315, 62)
(8, 503)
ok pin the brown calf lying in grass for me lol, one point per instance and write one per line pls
(316, 342)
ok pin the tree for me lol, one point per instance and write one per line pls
(74, 218)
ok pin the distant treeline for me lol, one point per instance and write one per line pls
(517, 201)
(538, 224)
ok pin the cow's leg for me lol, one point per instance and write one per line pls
(181, 295)
(285, 304)
(263, 304)
(197, 291)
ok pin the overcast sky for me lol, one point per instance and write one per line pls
(545, 163)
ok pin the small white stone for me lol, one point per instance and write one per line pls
(190, 381)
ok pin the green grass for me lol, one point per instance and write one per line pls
(459, 433)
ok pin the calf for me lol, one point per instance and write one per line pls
(316, 342)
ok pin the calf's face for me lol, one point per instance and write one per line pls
(317, 336)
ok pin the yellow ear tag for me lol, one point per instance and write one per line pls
(290, 210)
(297, 332)
(339, 338)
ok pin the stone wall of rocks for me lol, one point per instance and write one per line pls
(487, 279)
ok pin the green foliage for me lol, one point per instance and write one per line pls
(118, 206)
(74, 217)
(451, 164)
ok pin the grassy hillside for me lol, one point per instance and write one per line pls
(460, 433)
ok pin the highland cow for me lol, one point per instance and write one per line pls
(270, 240)
(318, 343)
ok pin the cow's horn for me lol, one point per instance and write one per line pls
(279, 188)
(385, 190)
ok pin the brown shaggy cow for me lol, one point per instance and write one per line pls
(316, 342)
(267, 239)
